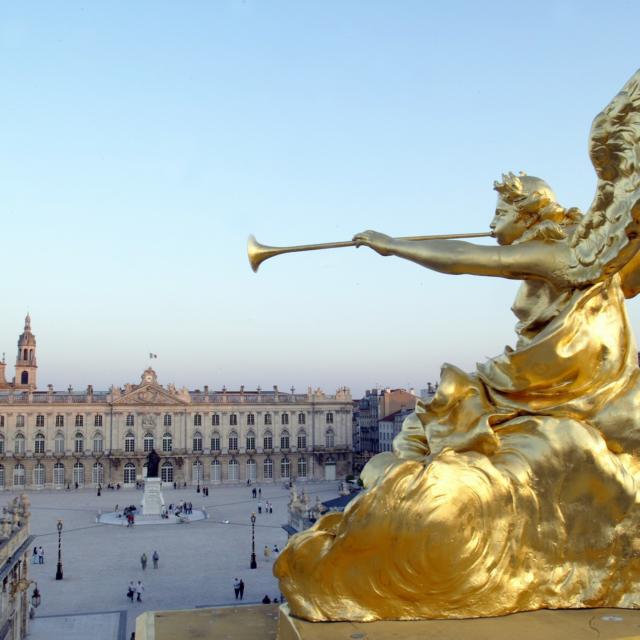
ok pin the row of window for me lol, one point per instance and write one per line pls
(79, 444)
(166, 472)
(168, 419)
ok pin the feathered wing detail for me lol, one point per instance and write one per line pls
(608, 236)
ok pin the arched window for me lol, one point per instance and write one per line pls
(267, 419)
(129, 443)
(167, 420)
(329, 439)
(252, 473)
(233, 420)
(285, 468)
(166, 472)
(301, 418)
(267, 469)
(1, 445)
(302, 468)
(215, 441)
(215, 471)
(197, 420)
(148, 442)
(251, 419)
(329, 417)
(233, 441)
(215, 420)
(302, 439)
(233, 469)
(18, 444)
(78, 445)
(197, 441)
(58, 475)
(39, 475)
(267, 441)
(167, 443)
(196, 472)
(79, 421)
(59, 442)
(130, 420)
(284, 418)
(24, 377)
(98, 443)
(38, 445)
(24, 354)
(78, 473)
(284, 440)
(251, 440)
(97, 473)
(18, 475)
(129, 473)
(1, 475)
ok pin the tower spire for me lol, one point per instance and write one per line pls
(26, 365)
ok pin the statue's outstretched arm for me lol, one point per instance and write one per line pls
(518, 262)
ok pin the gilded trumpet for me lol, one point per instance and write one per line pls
(258, 253)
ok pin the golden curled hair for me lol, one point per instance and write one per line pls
(536, 202)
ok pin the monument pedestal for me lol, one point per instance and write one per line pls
(152, 500)
(262, 622)
(565, 624)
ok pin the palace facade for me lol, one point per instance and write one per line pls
(63, 439)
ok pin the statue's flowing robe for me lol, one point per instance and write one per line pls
(515, 488)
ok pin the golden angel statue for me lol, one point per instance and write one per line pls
(517, 487)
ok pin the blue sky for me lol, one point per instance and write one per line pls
(143, 142)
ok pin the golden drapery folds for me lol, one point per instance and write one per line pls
(515, 488)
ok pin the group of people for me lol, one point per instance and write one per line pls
(155, 557)
(238, 588)
(38, 555)
(135, 590)
(268, 506)
(267, 552)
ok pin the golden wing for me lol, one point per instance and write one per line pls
(608, 236)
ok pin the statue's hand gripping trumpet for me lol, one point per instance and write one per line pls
(518, 486)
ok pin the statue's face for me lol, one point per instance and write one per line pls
(507, 224)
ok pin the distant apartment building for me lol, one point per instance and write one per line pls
(376, 404)
(389, 427)
(59, 439)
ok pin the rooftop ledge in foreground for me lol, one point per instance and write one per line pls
(267, 622)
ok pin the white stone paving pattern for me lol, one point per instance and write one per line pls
(198, 560)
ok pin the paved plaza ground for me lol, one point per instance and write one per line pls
(198, 561)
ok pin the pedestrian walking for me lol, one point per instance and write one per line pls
(131, 591)
(259, 493)
(156, 558)
(241, 588)
(267, 552)
(275, 549)
(34, 557)
(143, 561)
(253, 492)
(260, 506)
(236, 587)
(139, 591)
(40, 555)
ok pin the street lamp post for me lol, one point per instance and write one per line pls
(59, 569)
(253, 564)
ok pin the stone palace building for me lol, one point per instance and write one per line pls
(60, 439)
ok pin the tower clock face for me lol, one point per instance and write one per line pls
(148, 378)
